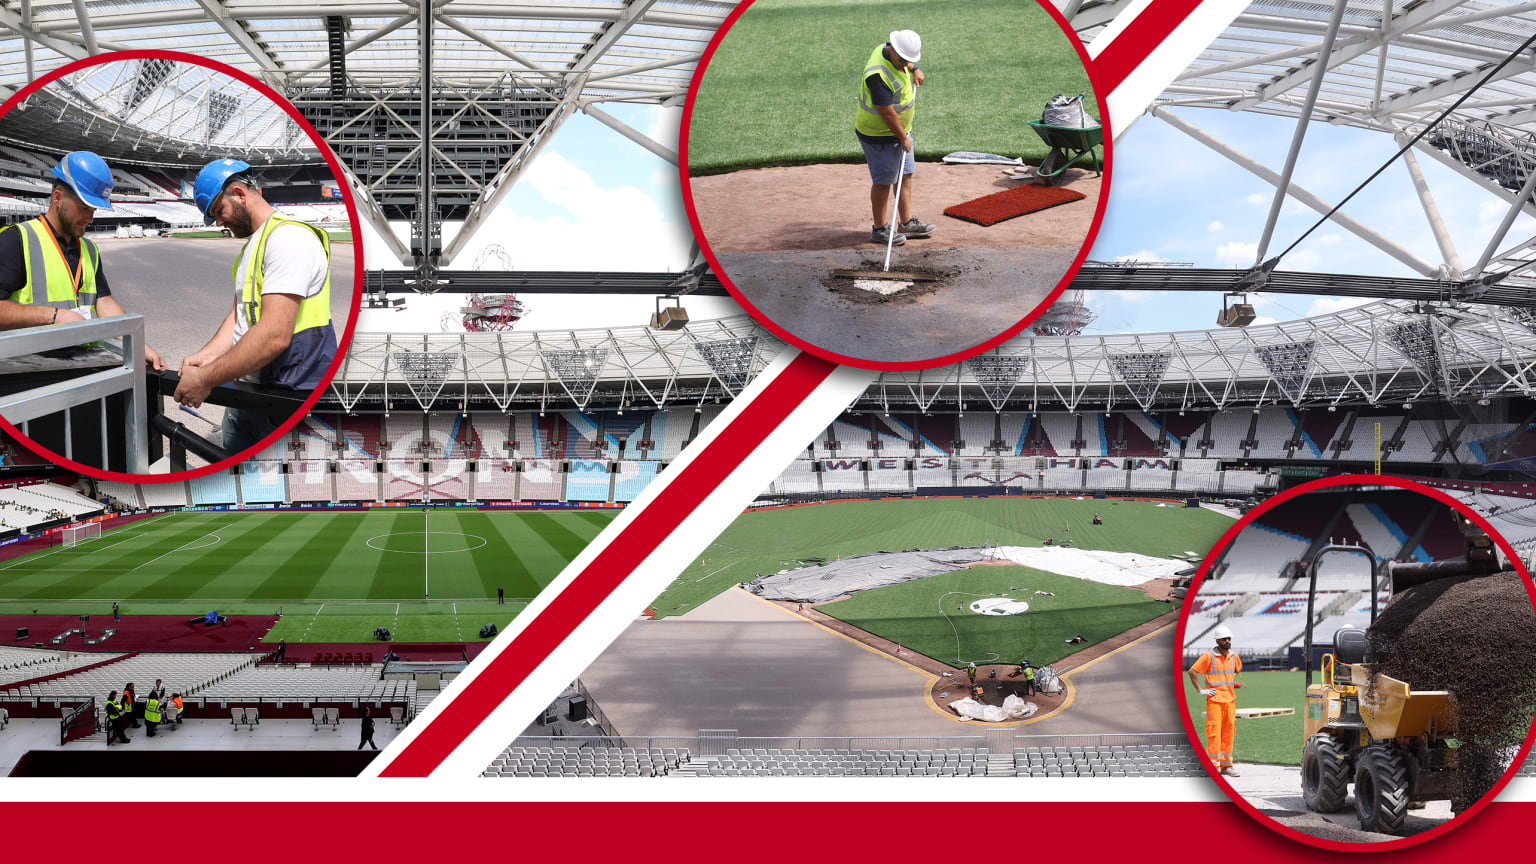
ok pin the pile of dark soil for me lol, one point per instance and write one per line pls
(1476, 639)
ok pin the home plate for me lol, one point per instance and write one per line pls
(1249, 713)
(881, 286)
(883, 281)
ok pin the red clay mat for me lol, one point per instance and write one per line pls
(1000, 206)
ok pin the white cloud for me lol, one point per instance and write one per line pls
(1143, 255)
(1237, 253)
(663, 125)
(1303, 259)
(1142, 296)
(1490, 212)
(1264, 319)
(1214, 227)
(603, 227)
(1329, 239)
(1256, 198)
(1328, 305)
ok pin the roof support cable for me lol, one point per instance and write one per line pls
(1524, 46)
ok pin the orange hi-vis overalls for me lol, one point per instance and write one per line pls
(1220, 707)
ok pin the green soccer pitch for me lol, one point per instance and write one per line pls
(331, 574)
(932, 616)
(1274, 740)
(782, 88)
(767, 541)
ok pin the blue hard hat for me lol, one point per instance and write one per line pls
(88, 175)
(211, 181)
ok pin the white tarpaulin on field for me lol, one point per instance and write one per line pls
(820, 583)
(1013, 708)
(1111, 568)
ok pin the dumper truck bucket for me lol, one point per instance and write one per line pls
(1391, 709)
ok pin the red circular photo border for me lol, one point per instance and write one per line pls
(342, 345)
(1095, 81)
(1178, 660)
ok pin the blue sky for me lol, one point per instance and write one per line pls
(591, 200)
(1174, 199)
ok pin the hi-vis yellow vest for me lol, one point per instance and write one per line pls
(44, 261)
(313, 346)
(868, 120)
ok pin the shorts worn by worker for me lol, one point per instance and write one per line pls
(1220, 729)
(243, 429)
(886, 159)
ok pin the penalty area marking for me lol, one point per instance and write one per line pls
(369, 542)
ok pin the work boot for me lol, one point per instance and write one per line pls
(916, 227)
(882, 234)
(1230, 771)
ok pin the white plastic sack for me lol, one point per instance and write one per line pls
(967, 157)
(1013, 708)
(1068, 111)
(1047, 680)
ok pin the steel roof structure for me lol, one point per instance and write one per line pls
(611, 367)
(1387, 353)
(158, 111)
(1389, 67)
(494, 81)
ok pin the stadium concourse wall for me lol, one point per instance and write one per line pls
(1142, 477)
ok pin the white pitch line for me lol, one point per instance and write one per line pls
(178, 548)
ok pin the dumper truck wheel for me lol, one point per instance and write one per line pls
(1324, 774)
(1381, 790)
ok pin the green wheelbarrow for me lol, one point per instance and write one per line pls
(1069, 145)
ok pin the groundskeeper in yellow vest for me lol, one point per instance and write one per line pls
(868, 120)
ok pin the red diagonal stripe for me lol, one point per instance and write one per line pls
(1121, 57)
(612, 566)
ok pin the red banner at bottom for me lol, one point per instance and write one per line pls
(1137, 833)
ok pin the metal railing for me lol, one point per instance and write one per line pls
(1120, 739)
(57, 398)
(715, 742)
(596, 712)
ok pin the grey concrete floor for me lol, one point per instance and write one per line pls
(739, 663)
(1275, 790)
(23, 735)
(183, 289)
(983, 292)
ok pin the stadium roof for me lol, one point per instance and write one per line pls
(285, 42)
(158, 111)
(1389, 352)
(609, 367)
(504, 76)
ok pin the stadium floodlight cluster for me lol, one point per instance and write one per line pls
(531, 369)
(1418, 341)
(1142, 372)
(1290, 363)
(577, 370)
(731, 359)
(997, 375)
(425, 372)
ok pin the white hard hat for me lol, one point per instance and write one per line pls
(908, 45)
(1222, 632)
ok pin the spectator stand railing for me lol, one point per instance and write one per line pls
(57, 398)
